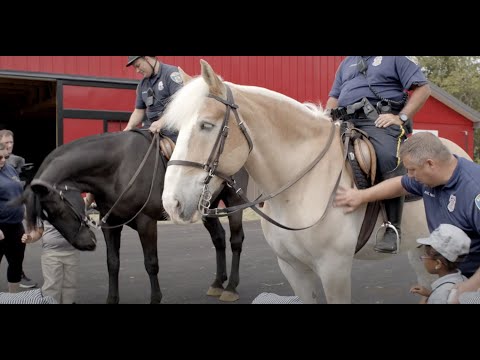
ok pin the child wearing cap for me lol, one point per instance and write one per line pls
(444, 248)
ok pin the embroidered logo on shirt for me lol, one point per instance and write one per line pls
(175, 76)
(477, 201)
(451, 203)
(377, 61)
(160, 86)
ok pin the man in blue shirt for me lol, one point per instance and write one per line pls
(372, 93)
(449, 185)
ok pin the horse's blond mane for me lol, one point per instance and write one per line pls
(187, 101)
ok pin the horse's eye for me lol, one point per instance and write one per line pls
(206, 126)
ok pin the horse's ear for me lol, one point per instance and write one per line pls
(213, 81)
(185, 77)
(39, 189)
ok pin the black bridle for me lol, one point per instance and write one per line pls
(212, 163)
(61, 190)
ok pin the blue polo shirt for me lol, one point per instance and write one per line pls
(10, 188)
(456, 203)
(387, 75)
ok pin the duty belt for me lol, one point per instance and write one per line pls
(340, 113)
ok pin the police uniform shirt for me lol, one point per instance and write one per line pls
(387, 75)
(10, 188)
(456, 203)
(163, 85)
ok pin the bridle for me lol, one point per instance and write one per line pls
(84, 220)
(211, 165)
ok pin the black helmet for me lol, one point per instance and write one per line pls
(131, 60)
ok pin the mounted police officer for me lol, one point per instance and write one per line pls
(160, 81)
(372, 93)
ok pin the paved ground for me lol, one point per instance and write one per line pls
(187, 267)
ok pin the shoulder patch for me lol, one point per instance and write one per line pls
(477, 201)
(413, 59)
(175, 76)
(377, 61)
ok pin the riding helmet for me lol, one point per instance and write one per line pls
(131, 60)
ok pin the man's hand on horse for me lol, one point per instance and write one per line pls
(156, 126)
(348, 198)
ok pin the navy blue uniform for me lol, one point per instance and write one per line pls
(389, 76)
(456, 203)
(154, 93)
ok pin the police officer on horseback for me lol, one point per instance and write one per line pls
(160, 81)
(372, 93)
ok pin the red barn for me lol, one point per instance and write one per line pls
(51, 100)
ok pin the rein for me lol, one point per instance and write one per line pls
(155, 140)
(212, 163)
(85, 220)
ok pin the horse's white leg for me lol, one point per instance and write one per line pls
(335, 271)
(302, 280)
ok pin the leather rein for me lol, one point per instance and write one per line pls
(85, 220)
(212, 164)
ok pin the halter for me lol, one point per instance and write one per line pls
(212, 163)
(61, 190)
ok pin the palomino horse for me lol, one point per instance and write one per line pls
(277, 139)
(105, 165)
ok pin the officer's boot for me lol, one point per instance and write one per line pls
(394, 209)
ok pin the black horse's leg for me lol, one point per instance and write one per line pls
(236, 240)
(230, 198)
(112, 239)
(147, 230)
(217, 233)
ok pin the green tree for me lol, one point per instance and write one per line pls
(459, 76)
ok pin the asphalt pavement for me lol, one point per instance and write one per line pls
(187, 268)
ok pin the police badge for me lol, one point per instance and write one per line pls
(160, 86)
(477, 201)
(451, 203)
(175, 76)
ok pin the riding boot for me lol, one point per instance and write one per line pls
(394, 209)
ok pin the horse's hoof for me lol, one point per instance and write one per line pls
(229, 296)
(215, 291)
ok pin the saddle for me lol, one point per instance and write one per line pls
(362, 158)
(360, 154)
(166, 146)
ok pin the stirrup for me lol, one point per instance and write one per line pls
(387, 225)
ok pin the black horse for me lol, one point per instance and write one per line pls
(105, 165)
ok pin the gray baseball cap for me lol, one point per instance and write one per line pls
(449, 241)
